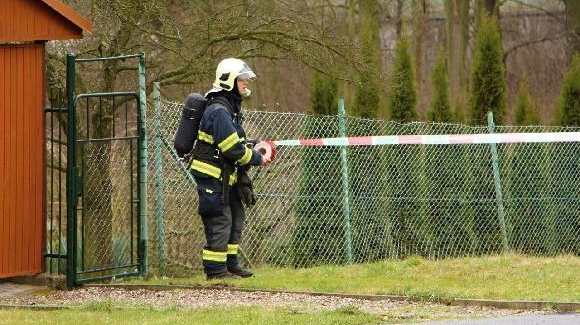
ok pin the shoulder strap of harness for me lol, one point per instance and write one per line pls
(206, 148)
(227, 166)
(224, 102)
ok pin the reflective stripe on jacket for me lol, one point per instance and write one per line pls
(221, 131)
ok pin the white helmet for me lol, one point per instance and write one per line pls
(228, 70)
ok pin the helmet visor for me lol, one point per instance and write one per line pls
(246, 73)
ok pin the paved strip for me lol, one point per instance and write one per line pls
(9, 289)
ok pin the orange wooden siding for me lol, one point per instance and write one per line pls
(34, 20)
(21, 159)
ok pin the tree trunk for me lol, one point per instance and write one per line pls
(573, 26)
(489, 7)
(350, 32)
(399, 18)
(421, 8)
(463, 12)
(457, 12)
(98, 210)
(367, 100)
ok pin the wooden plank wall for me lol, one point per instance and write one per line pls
(22, 154)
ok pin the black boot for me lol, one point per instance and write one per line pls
(222, 276)
(217, 271)
(238, 271)
(233, 266)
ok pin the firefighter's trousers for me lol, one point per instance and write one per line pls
(223, 223)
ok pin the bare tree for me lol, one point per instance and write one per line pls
(490, 7)
(421, 9)
(183, 41)
(457, 31)
(573, 25)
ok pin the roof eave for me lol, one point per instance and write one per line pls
(71, 15)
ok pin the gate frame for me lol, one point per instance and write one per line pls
(71, 177)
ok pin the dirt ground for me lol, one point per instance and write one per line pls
(189, 298)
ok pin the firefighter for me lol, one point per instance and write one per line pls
(220, 156)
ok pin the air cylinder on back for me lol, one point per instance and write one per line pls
(191, 115)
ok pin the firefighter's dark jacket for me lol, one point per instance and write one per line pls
(220, 139)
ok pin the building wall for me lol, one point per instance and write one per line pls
(21, 159)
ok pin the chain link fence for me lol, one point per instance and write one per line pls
(337, 205)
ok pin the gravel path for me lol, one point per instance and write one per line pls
(199, 298)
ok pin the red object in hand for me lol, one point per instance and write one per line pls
(266, 149)
(274, 151)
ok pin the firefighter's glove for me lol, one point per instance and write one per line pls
(185, 159)
(246, 189)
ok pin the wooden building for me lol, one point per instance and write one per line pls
(25, 27)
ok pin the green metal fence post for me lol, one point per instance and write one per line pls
(345, 184)
(497, 182)
(143, 220)
(159, 188)
(71, 224)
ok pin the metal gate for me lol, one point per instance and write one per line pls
(106, 180)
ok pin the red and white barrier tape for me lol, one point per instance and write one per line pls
(436, 139)
(266, 148)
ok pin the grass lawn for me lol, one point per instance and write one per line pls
(207, 316)
(506, 277)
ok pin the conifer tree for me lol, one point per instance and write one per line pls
(525, 113)
(441, 165)
(319, 203)
(487, 78)
(323, 95)
(365, 163)
(525, 173)
(488, 94)
(410, 232)
(402, 100)
(368, 91)
(440, 109)
(568, 110)
(564, 174)
(459, 112)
